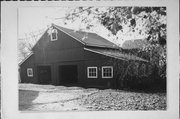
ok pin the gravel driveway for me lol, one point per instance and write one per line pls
(33, 97)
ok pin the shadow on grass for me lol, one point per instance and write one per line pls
(26, 98)
(70, 86)
(134, 89)
(144, 90)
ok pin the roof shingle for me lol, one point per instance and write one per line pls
(134, 44)
(115, 54)
(87, 38)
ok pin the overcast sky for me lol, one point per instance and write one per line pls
(33, 19)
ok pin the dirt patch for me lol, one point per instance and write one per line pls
(51, 98)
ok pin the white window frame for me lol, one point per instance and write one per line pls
(103, 67)
(88, 72)
(30, 70)
(54, 31)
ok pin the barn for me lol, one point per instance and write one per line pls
(67, 57)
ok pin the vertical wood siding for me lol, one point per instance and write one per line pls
(66, 51)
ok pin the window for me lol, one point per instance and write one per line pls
(53, 34)
(29, 72)
(92, 72)
(107, 72)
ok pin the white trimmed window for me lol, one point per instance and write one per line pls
(54, 35)
(29, 72)
(107, 72)
(92, 72)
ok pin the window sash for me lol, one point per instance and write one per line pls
(107, 72)
(54, 32)
(29, 72)
(92, 72)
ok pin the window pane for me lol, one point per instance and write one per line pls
(29, 72)
(53, 35)
(107, 72)
(92, 72)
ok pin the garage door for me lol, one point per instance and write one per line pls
(44, 74)
(68, 74)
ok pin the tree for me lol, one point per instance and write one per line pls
(149, 22)
(26, 44)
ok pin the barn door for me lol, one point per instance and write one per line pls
(68, 74)
(44, 74)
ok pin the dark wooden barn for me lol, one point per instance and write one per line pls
(68, 57)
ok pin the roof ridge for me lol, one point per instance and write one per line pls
(29, 55)
(60, 28)
(74, 29)
(98, 38)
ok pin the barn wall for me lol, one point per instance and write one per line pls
(29, 63)
(99, 81)
(50, 56)
(92, 59)
(64, 49)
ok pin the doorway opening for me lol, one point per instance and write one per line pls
(44, 74)
(68, 74)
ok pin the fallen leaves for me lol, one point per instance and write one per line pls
(33, 97)
(115, 100)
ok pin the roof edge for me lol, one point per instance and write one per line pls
(86, 44)
(40, 38)
(112, 55)
(68, 34)
(102, 46)
(20, 63)
(103, 54)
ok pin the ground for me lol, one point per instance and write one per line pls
(33, 97)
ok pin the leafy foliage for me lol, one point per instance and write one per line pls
(149, 22)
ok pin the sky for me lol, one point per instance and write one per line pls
(37, 20)
(32, 19)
